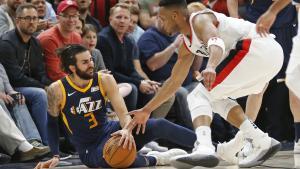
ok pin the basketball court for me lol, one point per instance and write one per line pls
(282, 160)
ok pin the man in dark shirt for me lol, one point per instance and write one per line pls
(117, 50)
(21, 56)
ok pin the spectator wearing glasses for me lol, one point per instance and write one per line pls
(24, 66)
(8, 15)
(63, 33)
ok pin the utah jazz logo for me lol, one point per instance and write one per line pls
(86, 105)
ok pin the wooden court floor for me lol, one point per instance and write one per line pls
(282, 160)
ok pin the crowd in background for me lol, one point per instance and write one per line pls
(133, 46)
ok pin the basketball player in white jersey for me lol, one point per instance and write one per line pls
(240, 63)
(263, 26)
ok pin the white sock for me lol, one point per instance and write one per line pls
(204, 135)
(250, 130)
(25, 146)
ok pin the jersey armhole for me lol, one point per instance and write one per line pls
(101, 87)
(63, 102)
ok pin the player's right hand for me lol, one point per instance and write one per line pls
(140, 119)
(264, 23)
(209, 77)
(52, 163)
(126, 140)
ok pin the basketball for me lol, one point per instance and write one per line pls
(116, 156)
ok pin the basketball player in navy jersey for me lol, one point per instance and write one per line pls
(239, 64)
(80, 99)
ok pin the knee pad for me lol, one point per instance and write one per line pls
(222, 107)
(199, 105)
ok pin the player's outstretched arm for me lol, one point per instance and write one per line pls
(179, 73)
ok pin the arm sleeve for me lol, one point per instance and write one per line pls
(53, 134)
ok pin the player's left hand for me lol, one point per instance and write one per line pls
(126, 140)
(209, 77)
(140, 119)
(264, 23)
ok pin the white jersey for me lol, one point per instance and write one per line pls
(229, 29)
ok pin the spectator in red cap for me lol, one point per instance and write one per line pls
(60, 35)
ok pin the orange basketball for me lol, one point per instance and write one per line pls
(116, 156)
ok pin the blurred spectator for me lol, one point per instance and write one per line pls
(15, 102)
(89, 40)
(63, 33)
(100, 10)
(217, 5)
(8, 15)
(117, 50)
(84, 7)
(148, 12)
(79, 26)
(25, 67)
(2, 2)
(130, 2)
(134, 30)
(50, 13)
(14, 143)
(45, 21)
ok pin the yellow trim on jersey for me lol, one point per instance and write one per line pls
(83, 90)
(64, 118)
(101, 86)
(63, 102)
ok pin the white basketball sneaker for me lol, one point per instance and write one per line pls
(163, 158)
(156, 147)
(228, 150)
(297, 147)
(145, 150)
(202, 155)
(262, 148)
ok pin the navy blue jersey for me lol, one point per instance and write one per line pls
(83, 111)
(285, 17)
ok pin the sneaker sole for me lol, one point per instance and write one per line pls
(203, 161)
(275, 147)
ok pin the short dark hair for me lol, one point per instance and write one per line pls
(87, 28)
(167, 3)
(134, 10)
(67, 55)
(23, 6)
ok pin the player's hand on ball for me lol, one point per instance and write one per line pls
(140, 119)
(209, 77)
(48, 164)
(126, 140)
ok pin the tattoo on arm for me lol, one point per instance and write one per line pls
(54, 97)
